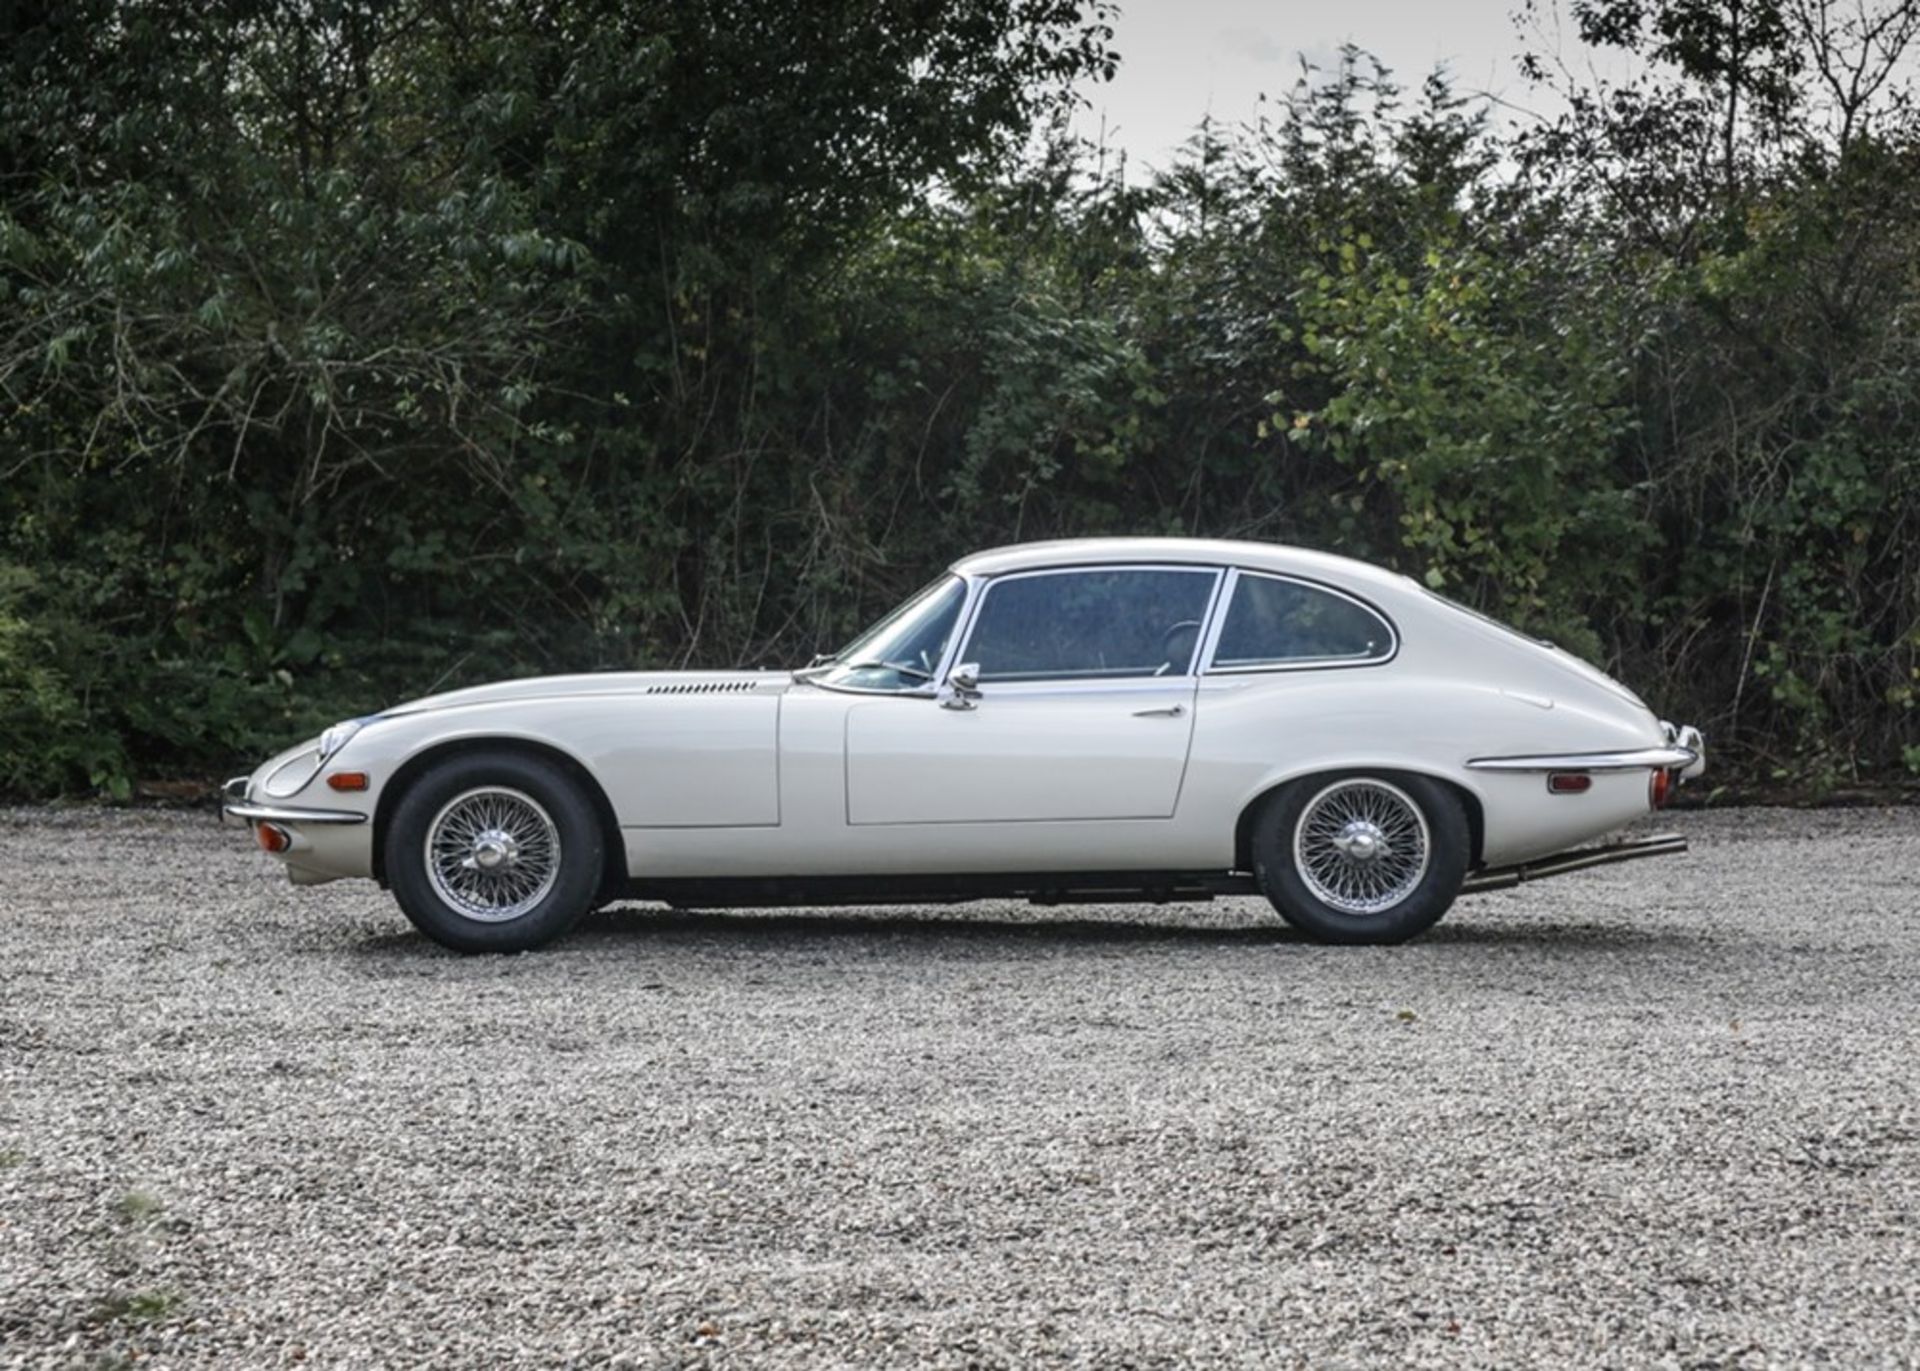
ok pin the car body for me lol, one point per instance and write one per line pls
(1088, 718)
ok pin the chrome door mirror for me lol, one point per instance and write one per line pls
(962, 689)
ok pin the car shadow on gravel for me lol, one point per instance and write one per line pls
(646, 929)
(642, 929)
(1564, 933)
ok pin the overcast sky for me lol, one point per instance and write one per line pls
(1182, 59)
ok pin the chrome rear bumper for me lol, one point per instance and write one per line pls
(1686, 759)
(1632, 849)
(1689, 739)
(1685, 752)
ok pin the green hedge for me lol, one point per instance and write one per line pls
(354, 350)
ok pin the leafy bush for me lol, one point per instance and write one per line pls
(357, 350)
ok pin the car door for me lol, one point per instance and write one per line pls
(1083, 708)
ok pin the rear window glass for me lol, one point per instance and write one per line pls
(1272, 622)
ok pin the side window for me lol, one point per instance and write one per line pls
(1272, 622)
(1090, 624)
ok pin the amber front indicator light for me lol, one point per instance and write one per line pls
(1660, 789)
(348, 780)
(272, 837)
(1569, 783)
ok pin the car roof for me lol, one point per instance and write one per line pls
(1277, 557)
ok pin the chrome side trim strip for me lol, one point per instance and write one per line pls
(286, 814)
(1505, 878)
(1645, 758)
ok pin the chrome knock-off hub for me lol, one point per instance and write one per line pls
(494, 849)
(1362, 841)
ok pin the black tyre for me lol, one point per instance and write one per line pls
(495, 852)
(1362, 858)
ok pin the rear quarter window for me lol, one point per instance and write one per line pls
(1276, 622)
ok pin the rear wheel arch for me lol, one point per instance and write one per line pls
(1250, 814)
(613, 879)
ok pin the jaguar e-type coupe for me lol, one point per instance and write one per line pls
(1106, 719)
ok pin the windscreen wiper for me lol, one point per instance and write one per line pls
(912, 671)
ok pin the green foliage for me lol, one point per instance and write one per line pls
(139, 1306)
(48, 732)
(138, 1208)
(1470, 398)
(354, 350)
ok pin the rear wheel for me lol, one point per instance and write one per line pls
(495, 852)
(1362, 858)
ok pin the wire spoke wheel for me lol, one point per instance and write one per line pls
(1361, 846)
(493, 853)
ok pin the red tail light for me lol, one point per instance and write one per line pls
(1660, 789)
(1569, 783)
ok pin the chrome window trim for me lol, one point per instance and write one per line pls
(1209, 668)
(1095, 685)
(977, 600)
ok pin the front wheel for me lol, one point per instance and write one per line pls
(495, 852)
(1362, 858)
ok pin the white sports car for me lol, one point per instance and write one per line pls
(1112, 719)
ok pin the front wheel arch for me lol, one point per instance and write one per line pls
(613, 879)
(1243, 827)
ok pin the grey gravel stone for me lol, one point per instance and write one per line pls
(1658, 1115)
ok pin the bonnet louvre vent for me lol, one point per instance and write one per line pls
(702, 688)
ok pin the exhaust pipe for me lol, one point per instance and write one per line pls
(1632, 849)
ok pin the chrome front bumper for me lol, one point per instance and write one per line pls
(238, 809)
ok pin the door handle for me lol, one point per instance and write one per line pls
(1164, 712)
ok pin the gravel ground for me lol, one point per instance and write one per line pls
(1662, 1114)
